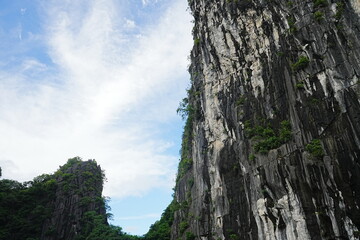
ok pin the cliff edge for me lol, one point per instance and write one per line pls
(271, 146)
(66, 205)
(78, 198)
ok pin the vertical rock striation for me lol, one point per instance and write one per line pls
(271, 149)
(79, 191)
(65, 205)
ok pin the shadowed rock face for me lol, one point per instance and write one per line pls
(275, 122)
(79, 190)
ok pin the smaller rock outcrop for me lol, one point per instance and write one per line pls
(79, 190)
(65, 205)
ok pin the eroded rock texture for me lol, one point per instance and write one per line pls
(79, 192)
(274, 135)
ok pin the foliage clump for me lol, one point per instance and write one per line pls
(184, 165)
(70, 163)
(234, 237)
(24, 206)
(161, 230)
(190, 236)
(187, 111)
(183, 226)
(266, 137)
(291, 22)
(300, 85)
(319, 15)
(241, 100)
(320, 3)
(302, 63)
(95, 227)
(315, 149)
(339, 10)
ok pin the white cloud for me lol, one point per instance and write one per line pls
(146, 216)
(19, 31)
(108, 99)
(33, 65)
(146, 2)
(130, 24)
(22, 11)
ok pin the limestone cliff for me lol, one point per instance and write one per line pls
(271, 148)
(66, 205)
(79, 192)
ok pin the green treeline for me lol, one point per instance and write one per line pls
(25, 207)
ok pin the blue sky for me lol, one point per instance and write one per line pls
(99, 79)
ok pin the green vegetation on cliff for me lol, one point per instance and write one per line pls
(27, 208)
(161, 229)
(95, 227)
(266, 137)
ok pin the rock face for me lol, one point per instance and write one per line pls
(79, 190)
(271, 149)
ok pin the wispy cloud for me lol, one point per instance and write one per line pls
(19, 31)
(22, 11)
(146, 2)
(130, 24)
(104, 95)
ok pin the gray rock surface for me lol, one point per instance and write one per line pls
(274, 139)
(79, 190)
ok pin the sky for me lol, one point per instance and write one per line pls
(98, 79)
